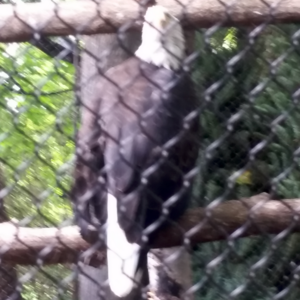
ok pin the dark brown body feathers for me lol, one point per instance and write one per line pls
(136, 144)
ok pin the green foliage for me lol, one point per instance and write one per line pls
(36, 148)
(37, 131)
(51, 282)
(246, 92)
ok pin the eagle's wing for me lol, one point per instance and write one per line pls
(137, 113)
(138, 118)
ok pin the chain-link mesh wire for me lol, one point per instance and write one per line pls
(246, 81)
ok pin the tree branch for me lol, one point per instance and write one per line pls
(21, 21)
(236, 218)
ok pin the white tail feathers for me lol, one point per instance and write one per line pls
(122, 256)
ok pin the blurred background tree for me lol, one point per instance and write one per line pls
(247, 84)
(36, 147)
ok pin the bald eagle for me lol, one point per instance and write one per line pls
(135, 150)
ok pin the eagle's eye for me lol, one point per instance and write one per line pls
(158, 18)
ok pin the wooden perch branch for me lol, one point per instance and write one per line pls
(21, 21)
(254, 216)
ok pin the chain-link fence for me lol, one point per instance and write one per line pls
(193, 137)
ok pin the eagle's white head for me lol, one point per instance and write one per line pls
(163, 41)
